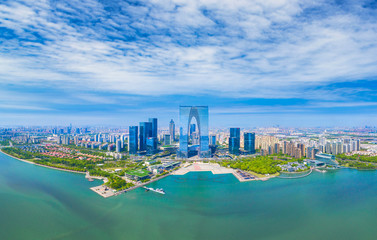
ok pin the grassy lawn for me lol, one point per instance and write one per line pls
(138, 172)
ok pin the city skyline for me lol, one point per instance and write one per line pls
(188, 119)
(260, 63)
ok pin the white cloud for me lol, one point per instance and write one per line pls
(23, 107)
(264, 48)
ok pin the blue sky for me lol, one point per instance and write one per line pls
(254, 63)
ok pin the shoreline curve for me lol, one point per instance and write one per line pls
(36, 164)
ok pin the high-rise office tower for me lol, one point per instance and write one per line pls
(234, 140)
(133, 140)
(145, 133)
(167, 139)
(151, 145)
(118, 145)
(212, 140)
(249, 142)
(154, 128)
(172, 130)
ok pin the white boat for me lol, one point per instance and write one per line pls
(157, 190)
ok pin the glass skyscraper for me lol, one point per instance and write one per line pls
(172, 131)
(234, 140)
(145, 132)
(154, 127)
(133, 140)
(213, 140)
(167, 139)
(151, 145)
(186, 114)
(249, 142)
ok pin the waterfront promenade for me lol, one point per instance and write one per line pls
(215, 169)
(106, 192)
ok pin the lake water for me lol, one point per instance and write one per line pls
(40, 203)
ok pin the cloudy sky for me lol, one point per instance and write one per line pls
(253, 62)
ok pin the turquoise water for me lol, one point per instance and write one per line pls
(39, 203)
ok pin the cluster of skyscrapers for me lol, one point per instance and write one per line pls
(144, 137)
(170, 138)
(194, 139)
(235, 142)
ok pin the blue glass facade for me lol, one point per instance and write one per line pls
(234, 140)
(172, 130)
(133, 140)
(213, 140)
(186, 114)
(249, 142)
(192, 128)
(328, 159)
(151, 145)
(154, 127)
(145, 132)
